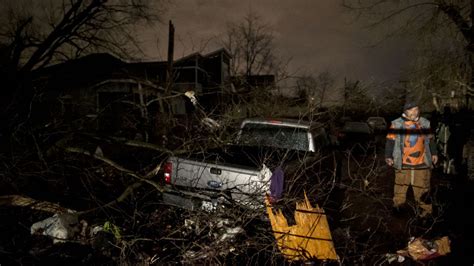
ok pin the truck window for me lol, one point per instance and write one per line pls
(274, 136)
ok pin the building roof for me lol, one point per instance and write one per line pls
(94, 68)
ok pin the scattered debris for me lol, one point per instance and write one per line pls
(113, 229)
(222, 232)
(309, 238)
(421, 249)
(394, 257)
(192, 98)
(60, 227)
(230, 233)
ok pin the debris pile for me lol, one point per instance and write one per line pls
(309, 238)
(420, 249)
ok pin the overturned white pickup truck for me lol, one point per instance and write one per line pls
(242, 173)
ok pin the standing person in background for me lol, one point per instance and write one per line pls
(411, 150)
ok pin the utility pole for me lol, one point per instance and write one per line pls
(169, 73)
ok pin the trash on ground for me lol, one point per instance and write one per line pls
(394, 257)
(60, 227)
(222, 232)
(421, 249)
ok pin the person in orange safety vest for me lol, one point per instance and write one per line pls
(411, 150)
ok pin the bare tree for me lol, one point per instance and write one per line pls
(316, 89)
(251, 44)
(442, 72)
(357, 98)
(34, 34)
(448, 21)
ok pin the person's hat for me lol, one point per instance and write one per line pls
(409, 105)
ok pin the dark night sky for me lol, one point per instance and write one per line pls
(317, 35)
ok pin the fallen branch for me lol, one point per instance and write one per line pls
(116, 166)
(40, 205)
(130, 188)
(120, 198)
(146, 145)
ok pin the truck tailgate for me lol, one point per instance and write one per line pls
(242, 184)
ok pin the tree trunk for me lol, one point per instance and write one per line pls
(469, 89)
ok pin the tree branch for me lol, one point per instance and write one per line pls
(454, 13)
(400, 11)
(116, 166)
